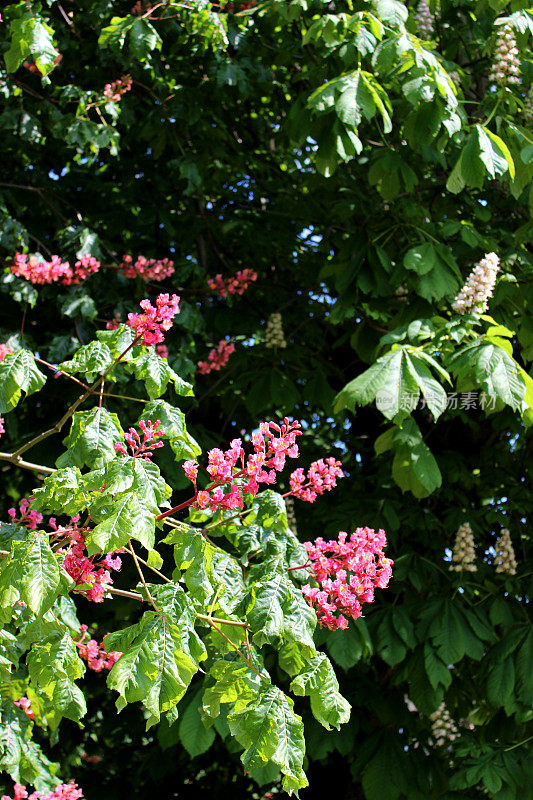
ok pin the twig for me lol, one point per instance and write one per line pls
(139, 570)
(66, 374)
(18, 462)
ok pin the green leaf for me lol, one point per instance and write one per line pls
(495, 153)
(127, 517)
(194, 736)
(414, 467)
(437, 671)
(91, 439)
(161, 654)
(449, 631)
(231, 681)
(156, 374)
(173, 424)
(269, 730)
(143, 38)
(92, 359)
(126, 474)
(30, 573)
(18, 373)
(494, 370)
(54, 665)
(421, 258)
(349, 646)
(31, 36)
(318, 681)
(500, 683)
(61, 493)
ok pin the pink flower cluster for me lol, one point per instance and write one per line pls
(83, 570)
(235, 285)
(348, 570)
(321, 477)
(66, 791)
(217, 358)
(142, 448)
(2, 429)
(240, 474)
(114, 90)
(40, 272)
(28, 516)
(154, 321)
(4, 350)
(95, 654)
(149, 269)
(25, 704)
(142, 7)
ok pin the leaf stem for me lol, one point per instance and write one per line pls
(139, 570)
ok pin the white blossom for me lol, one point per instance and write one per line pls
(506, 64)
(443, 727)
(505, 560)
(274, 336)
(425, 21)
(479, 286)
(464, 553)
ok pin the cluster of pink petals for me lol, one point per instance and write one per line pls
(95, 654)
(149, 269)
(28, 516)
(66, 791)
(234, 475)
(321, 477)
(4, 350)
(155, 321)
(348, 571)
(2, 429)
(234, 285)
(114, 90)
(217, 358)
(142, 448)
(39, 272)
(142, 7)
(24, 703)
(82, 569)
(161, 350)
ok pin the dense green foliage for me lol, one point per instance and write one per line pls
(361, 171)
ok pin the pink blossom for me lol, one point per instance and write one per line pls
(40, 272)
(149, 269)
(114, 90)
(81, 568)
(154, 321)
(142, 448)
(28, 516)
(191, 470)
(25, 704)
(4, 350)
(321, 477)
(234, 285)
(95, 654)
(348, 572)
(235, 475)
(2, 429)
(217, 358)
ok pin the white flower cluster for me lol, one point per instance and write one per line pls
(463, 555)
(424, 20)
(479, 285)
(505, 560)
(443, 727)
(274, 332)
(506, 64)
(291, 516)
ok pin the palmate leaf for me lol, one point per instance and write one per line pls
(276, 609)
(318, 681)
(91, 439)
(161, 654)
(491, 368)
(270, 731)
(140, 476)
(173, 424)
(208, 569)
(395, 382)
(54, 665)
(31, 573)
(128, 516)
(92, 359)
(232, 681)
(156, 374)
(61, 493)
(18, 373)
